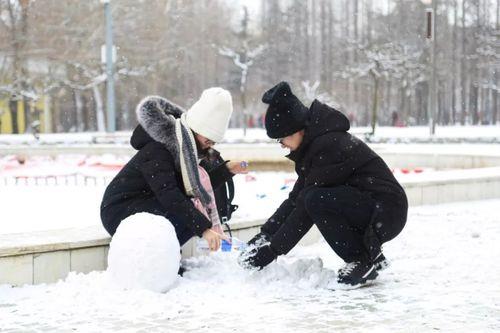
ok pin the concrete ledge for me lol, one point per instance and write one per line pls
(52, 240)
(47, 256)
(438, 161)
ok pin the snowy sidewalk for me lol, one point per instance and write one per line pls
(444, 276)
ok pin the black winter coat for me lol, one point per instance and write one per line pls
(152, 175)
(327, 157)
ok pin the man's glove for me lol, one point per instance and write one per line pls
(260, 239)
(257, 257)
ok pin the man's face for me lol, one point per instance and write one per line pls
(293, 141)
(203, 144)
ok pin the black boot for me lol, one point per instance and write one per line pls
(380, 262)
(357, 273)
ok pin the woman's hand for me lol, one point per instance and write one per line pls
(213, 239)
(237, 167)
(218, 229)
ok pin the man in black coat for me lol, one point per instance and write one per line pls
(154, 180)
(343, 187)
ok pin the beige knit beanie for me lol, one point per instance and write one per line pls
(210, 115)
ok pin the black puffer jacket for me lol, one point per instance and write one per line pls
(329, 156)
(152, 174)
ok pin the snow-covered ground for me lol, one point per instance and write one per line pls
(443, 277)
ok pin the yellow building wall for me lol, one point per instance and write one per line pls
(6, 116)
(40, 106)
(20, 117)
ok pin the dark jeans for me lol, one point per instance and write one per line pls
(353, 223)
(111, 219)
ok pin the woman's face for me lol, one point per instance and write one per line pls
(293, 141)
(203, 144)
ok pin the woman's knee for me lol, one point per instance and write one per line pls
(109, 224)
(111, 228)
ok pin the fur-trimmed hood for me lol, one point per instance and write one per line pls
(159, 120)
(156, 116)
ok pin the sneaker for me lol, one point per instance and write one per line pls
(380, 262)
(356, 273)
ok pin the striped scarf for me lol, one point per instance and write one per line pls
(188, 161)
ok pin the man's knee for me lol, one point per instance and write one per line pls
(310, 200)
(319, 201)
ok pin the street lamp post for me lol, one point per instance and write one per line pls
(110, 83)
(432, 110)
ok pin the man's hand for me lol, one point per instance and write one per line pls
(260, 239)
(237, 167)
(257, 257)
(213, 239)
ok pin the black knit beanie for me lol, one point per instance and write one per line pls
(286, 114)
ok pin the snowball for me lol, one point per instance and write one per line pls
(144, 253)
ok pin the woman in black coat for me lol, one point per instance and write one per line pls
(343, 187)
(152, 180)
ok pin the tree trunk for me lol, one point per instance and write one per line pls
(331, 36)
(79, 110)
(314, 43)
(13, 112)
(389, 95)
(307, 45)
(474, 103)
(47, 114)
(355, 90)
(375, 103)
(402, 107)
(24, 74)
(101, 126)
(454, 64)
(324, 70)
(463, 78)
(369, 21)
(494, 115)
(347, 63)
(474, 82)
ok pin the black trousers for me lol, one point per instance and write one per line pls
(111, 219)
(353, 223)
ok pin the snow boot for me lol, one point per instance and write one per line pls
(181, 271)
(357, 273)
(380, 262)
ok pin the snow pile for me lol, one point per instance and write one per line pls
(144, 253)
